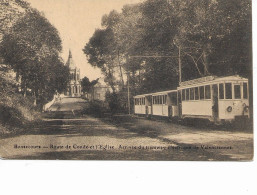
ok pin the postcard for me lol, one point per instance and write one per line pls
(151, 80)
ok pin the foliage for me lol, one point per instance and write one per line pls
(213, 37)
(31, 48)
(85, 84)
(95, 108)
(117, 101)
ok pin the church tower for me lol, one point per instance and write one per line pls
(74, 85)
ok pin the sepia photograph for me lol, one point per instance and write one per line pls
(148, 80)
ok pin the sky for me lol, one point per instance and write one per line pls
(76, 21)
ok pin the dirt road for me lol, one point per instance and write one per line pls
(65, 134)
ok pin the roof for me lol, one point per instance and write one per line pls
(210, 80)
(156, 93)
(70, 63)
(197, 82)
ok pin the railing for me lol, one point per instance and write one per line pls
(49, 104)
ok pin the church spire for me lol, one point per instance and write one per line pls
(70, 62)
(70, 55)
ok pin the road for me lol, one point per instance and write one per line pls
(68, 135)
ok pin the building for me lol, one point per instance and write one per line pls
(74, 85)
(98, 91)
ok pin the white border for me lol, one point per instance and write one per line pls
(119, 177)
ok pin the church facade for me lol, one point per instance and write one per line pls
(74, 85)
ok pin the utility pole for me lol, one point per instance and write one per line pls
(121, 75)
(128, 93)
(179, 64)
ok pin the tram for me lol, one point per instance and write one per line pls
(158, 104)
(218, 99)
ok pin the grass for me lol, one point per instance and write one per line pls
(16, 113)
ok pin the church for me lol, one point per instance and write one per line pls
(74, 85)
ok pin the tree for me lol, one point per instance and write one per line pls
(32, 49)
(85, 84)
(205, 25)
(99, 51)
(144, 40)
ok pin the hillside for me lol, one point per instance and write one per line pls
(16, 111)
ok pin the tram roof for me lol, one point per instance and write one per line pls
(156, 93)
(210, 79)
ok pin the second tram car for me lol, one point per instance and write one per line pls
(217, 99)
(157, 104)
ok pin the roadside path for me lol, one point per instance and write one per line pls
(65, 134)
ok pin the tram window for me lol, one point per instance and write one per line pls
(237, 91)
(196, 93)
(187, 94)
(161, 99)
(245, 92)
(183, 95)
(221, 91)
(165, 99)
(201, 92)
(207, 92)
(228, 89)
(192, 94)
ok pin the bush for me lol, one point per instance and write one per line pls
(16, 112)
(117, 102)
(113, 102)
(95, 108)
(10, 116)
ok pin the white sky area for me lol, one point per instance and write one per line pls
(76, 21)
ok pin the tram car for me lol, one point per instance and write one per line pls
(217, 99)
(157, 104)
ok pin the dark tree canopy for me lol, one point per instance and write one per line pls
(213, 36)
(85, 84)
(31, 48)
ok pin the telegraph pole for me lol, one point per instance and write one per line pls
(179, 64)
(121, 75)
(157, 56)
(128, 93)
